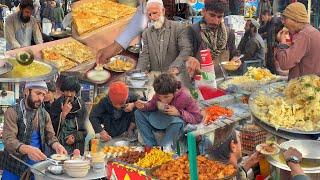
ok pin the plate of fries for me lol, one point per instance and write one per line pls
(120, 63)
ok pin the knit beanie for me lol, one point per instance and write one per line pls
(118, 92)
(297, 12)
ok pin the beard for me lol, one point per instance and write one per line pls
(33, 104)
(24, 19)
(157, 24)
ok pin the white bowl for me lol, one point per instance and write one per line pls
(76, 163)
(77, 173)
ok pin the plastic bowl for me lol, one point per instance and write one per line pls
(230, 66)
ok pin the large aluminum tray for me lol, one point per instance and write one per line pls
(9, 77)
(273, 91)
(150, 172)
(308, 167)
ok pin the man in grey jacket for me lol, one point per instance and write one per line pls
(165, 42)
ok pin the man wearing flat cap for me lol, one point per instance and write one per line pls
(301, 56)
(252, 44)
(27, 127)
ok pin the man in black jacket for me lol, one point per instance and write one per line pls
(269, 31)
(68, 114)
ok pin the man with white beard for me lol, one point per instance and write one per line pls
(165, 43)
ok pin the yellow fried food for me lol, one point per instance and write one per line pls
(298, 109)
(252, 79)
(154, 158)
(120, 65)
(208, 170)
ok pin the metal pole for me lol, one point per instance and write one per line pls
(192, 154)
(309, 10)
(316, 20)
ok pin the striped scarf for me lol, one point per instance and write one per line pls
(216, 40)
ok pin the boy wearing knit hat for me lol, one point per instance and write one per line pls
(301, 56)
(114, 112)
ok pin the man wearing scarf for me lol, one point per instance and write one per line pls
(211, 33)
(21, 28)
(27, 128)
(68, 114)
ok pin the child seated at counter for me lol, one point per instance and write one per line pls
(169, 110)
(114, 112)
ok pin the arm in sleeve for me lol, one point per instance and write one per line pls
(82, 131)
(151, 105)
(289, 58)
(55, 113)
(250, 50)
(133, 97)
(96, 115)
(50, 134)
(191, 114)
(37, 35)
(133, 29)
(10, 131)
(231, 44)
(9, 34)
(144, 58)
(184, 48)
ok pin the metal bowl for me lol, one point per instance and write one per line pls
(308, 148)
(55, 169)
(5, 67)
(14, 77)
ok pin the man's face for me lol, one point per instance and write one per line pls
(166, 98)
(212, 19)
(265, 18)
(69, 95)
(26, 14)
(154, 12)
(156, 15)
(288, 23)
(236, 148)
(48, 96)
(35, 98)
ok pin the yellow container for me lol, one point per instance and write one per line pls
(264, 167)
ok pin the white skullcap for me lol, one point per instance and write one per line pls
(155, 1)
(36, 85)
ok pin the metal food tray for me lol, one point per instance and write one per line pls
(122, 57)
(53, 72)
(273, 91)
(273, 160)
(250, 87)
